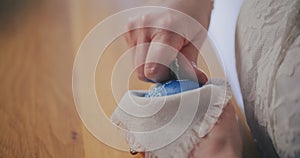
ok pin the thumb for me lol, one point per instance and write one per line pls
(162, 52)
(188, 68)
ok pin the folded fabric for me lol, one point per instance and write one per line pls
(172, 87)
(170, 126)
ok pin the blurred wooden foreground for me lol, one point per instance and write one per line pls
(38, 42)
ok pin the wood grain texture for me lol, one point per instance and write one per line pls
(38, 41)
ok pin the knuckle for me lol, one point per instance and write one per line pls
(151, 71)
(162, 36)
(130, 25)
(167, 21)
(128, 37)
(143, 20)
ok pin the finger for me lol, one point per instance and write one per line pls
(135, 39)
(190, 70)
(130, 35)
(141, 53)
(162, 52)
(143, 40)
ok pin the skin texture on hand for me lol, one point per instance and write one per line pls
(224, 140)
(152, 60)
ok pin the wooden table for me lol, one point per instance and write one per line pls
(38, 43)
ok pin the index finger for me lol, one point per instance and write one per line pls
(162, 51)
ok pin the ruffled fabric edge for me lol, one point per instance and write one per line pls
(193, 135)
(201, 128)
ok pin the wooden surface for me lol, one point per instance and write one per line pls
(38, 42)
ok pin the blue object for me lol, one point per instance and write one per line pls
(172, 87)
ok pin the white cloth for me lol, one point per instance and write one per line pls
(268, 62)
(170, 126)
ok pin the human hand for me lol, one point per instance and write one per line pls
(152, 59)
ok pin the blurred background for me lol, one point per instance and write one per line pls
(38, 43)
